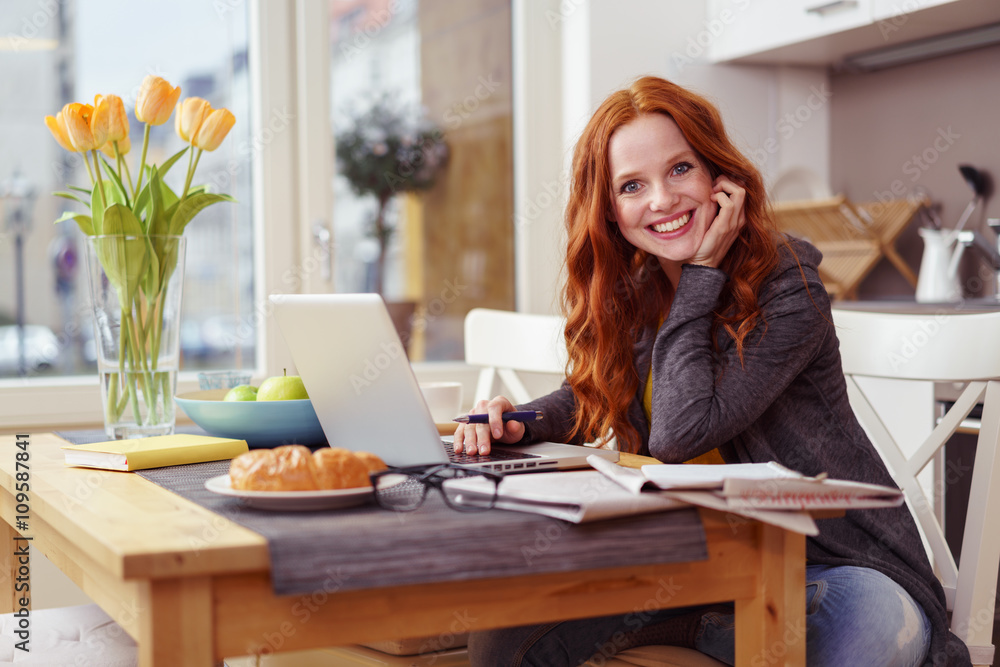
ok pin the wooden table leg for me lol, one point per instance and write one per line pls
(771, 628)
(8, 567)
(176, 626)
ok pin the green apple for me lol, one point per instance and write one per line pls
(282, 388)
(242, 392)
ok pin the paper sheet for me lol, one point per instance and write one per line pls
(635, 482)
(577, 496)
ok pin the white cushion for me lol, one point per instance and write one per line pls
(67, 637)
(657, 656)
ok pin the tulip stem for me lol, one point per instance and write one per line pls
(192, 166)
(122, 163)
(142, 161)
(90, 172)
(132, 379)
(100, 181)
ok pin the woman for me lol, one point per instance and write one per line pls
(693, 326)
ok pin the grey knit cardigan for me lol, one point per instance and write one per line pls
(787, 402)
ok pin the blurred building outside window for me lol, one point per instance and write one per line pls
(449, 63)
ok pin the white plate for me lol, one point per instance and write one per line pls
(292, 501)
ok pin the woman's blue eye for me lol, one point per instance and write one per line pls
(682, 168)
(630, 187)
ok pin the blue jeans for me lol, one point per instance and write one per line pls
(854, 616)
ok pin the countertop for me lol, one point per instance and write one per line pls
(910, 307)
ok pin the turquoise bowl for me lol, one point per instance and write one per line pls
(263, 424)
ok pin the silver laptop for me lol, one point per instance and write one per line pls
(365, 393)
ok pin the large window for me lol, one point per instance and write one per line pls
(59, 51)
(290, 72)
(451, 248)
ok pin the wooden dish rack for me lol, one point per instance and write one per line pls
(852, 237)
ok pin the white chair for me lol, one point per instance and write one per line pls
(505, 343)
(937, 347)
(80, 635)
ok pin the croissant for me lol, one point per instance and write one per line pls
(295, 468)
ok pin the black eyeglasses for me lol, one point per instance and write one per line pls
(404, 489)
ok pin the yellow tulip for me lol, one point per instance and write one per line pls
(100, 120)
(116, 118)
(124, 146)
(83, 133)
(191, 113)
(214, 129)
(156, 100)
(57, 126)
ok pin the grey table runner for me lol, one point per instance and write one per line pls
(366, 546)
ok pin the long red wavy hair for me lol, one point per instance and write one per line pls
(614, 291)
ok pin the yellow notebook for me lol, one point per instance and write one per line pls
(156, 452)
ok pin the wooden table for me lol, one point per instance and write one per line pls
(192, 587)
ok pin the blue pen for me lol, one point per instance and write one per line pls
(521, 416)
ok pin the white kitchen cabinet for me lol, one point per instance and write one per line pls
(823, 32)
(750, 27)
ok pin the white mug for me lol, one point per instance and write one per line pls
(444, 400)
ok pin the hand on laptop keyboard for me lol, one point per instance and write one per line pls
(476, 439)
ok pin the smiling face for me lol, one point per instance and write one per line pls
(660, 190)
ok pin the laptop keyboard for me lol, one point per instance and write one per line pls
(495, 455)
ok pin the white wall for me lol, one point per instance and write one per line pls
(778, 115)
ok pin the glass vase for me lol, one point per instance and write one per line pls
(135, 288)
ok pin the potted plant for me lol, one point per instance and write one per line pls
(386, 150)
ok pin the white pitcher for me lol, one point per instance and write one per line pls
(938, 278)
